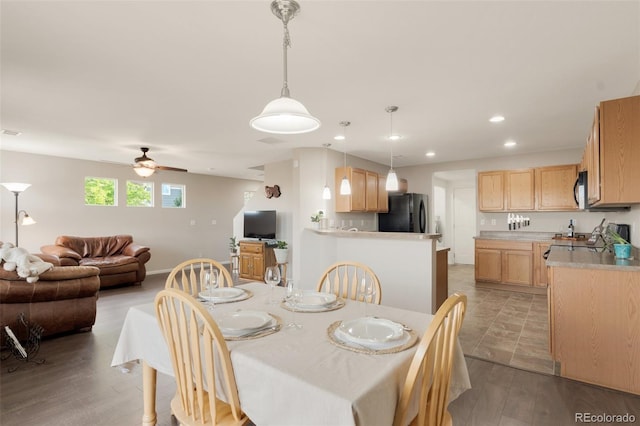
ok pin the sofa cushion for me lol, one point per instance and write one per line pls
(112, 264)
(95, 246)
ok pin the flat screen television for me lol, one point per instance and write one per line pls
(260, 224)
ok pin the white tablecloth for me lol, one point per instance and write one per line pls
(299, 377)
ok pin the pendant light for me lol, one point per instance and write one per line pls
(285, 115)
(326, 192)
(345, 186)
(392, 178)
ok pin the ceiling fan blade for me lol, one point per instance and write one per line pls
(174, 169)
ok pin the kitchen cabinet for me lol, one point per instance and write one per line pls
(616, 153)
(371, 191)
(356, 201)
(383, 195)
(520, 190)
(536, 189)
(255, 256)
(592, 159)
(368, 193)
(540, 275)
(554, 187)
(491, 187)
(504, 262)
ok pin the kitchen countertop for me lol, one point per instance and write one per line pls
(585, 257)
(536, 237)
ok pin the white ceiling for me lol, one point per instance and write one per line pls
(98, 79)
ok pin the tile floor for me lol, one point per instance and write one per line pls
(502, 326)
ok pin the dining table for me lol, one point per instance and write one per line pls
(294, 376)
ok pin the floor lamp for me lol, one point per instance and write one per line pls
(17, 188)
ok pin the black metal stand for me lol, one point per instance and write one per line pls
(24, 352)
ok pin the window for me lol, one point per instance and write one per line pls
(173, 196)
(139, 194)
(100, 191)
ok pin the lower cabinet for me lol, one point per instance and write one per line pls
(255, 256)
(540, 270)
(504, 262)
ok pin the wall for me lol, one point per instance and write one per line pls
(56, 201)
(420, 180)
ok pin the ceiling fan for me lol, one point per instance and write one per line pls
(145, 166)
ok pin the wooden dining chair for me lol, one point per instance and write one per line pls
(200, 359)
(189, 275)
(343, 279)
(430, 370)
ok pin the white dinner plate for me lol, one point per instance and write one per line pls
(242, 322)
(369, 330)
(313, 300)
(222, 294)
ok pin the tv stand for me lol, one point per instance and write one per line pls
(255, 257)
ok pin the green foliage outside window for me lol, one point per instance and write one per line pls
(99, 191)
(139, 194)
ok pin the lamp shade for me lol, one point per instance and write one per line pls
(345, 186)
(15, 186)
(326, 193)
(392, 181)
(286, 116)
(143, 171)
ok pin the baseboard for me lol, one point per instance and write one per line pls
(516, 288)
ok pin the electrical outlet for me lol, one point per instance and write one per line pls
(483, 222)
(214, 222)
(192, 222)
(493, 222)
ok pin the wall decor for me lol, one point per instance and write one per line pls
(272, 191)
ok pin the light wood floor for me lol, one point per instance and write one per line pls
(77, 387)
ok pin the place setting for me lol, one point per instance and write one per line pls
(312, 301)
(247, 324)
(372, 335)
(213, 294)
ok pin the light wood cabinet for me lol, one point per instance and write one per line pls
(255, 256)
(592, 155)
(538, 189)
(504, 262)
(368, 193)
(520, 190)
(383, 195)
(540, 273)
(371, 192)
(491, 187)
(554, 187)
(619, 151)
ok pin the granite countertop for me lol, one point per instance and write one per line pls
(539, 237)
(591, 258)
(374, 234)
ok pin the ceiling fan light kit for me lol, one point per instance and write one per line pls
(145, 166)
(285, 115)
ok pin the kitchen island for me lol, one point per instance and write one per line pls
(594, 315)
(405, 263)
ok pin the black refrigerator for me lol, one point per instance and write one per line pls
(407, 213)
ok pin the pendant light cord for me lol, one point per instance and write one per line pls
(286, 43)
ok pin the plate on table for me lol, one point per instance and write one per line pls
(223, 294)
(370, 331)
(315, 300)
(244, 322)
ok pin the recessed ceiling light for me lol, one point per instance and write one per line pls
(510, 144)
(394, 137)
(430, 154)
(339, 137)
(496, 119)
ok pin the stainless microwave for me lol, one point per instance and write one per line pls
(581, 196)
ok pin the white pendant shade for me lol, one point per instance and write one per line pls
(345, 186)
(285, 116)
(27, 220)
(392, 181)
(326, 193)
(143, 171)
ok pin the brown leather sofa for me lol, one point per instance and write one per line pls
(62, 300)
(120, 260)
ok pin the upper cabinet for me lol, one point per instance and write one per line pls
(491, 187)
(367, 193)
(554, 187)
(520, 194)
(613, 153)
(542, 188)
